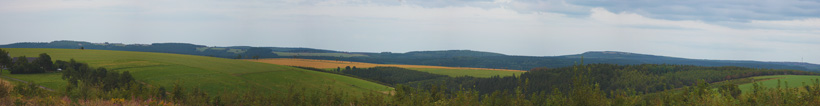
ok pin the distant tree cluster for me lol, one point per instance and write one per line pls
(390, 75)
(256, 53)
(39, 65)
(5, 60)
(77, 72)
(646, 78)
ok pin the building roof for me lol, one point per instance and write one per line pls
(30, 59)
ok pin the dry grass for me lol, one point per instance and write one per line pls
(5, 88)
(326, 64)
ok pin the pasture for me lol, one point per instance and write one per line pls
(793, 81)
(211, 74)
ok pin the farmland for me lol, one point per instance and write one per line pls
(208, 73)
(771, 81)
(450, 71)
(320, 54)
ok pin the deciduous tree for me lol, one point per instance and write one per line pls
(5, 60)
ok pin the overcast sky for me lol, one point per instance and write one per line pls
(763, 30)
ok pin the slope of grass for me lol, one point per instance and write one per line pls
(771, 81)
(320, 54)
(450, 71)
(210, 74)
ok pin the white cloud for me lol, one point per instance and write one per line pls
(47, 5)
(632, 19)
(811, 23)
(502, 1)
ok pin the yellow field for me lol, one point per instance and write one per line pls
(332, 64)
(320, 54)
(325, 64)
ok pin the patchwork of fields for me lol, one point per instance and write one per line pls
(320, 54)
(211, 74)
(450, 71)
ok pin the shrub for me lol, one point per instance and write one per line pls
(5, 89)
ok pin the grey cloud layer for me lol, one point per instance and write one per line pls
(713, 10)
(705, 10)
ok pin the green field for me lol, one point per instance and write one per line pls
(211, 74)
(468, 72)
(320, 54)
(793, 81)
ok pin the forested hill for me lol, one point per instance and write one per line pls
(178, 48)
(653, 59)
(488, 60)
(451, 58)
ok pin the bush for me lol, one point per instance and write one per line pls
(29, 89)
(5, 89)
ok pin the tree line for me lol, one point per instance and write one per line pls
(644, 78)
(23, 66)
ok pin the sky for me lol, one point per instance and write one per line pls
(762, 30)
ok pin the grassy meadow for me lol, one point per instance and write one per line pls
(211, 74)
(793, 81)
(450, 71)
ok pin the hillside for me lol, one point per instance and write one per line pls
(786, 81)
(654, 59)
(177, 48)
(448, 58)
(450, 71)
(211, 74)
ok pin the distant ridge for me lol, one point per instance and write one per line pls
(450, 58)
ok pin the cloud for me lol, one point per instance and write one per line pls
(812, 24)
(632, 19)
(712, 10)
(47, 5)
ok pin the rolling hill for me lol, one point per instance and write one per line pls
(211, 74)
(450, 71)
(448, 58)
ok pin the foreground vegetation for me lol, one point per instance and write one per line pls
(583, 91)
